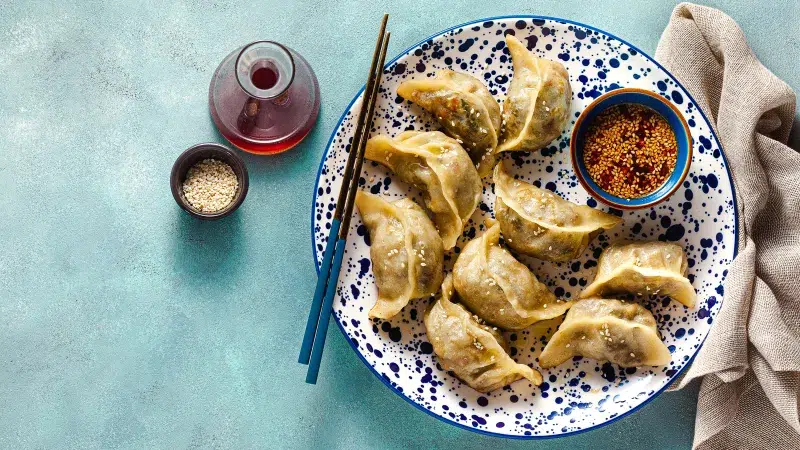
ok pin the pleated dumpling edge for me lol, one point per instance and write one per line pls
(406, 252)
(465, 109)
(493, 284)
(440, 168)
(537, 104)
(625, 334)
(539, 223)
(643, 268)
(475, 352)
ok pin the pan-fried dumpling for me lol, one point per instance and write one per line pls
(440, 168)
(406, 252)
(464, 107)
(541, 224)
(643, 268)
(537, 103)
(500, 289)
(475, 352)
(607, 330)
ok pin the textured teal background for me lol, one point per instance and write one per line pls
(126, 323)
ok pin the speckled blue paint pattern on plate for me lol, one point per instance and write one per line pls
(582, 393)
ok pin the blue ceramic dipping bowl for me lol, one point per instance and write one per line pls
(651, 100)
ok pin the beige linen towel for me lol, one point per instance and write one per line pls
(750, 362)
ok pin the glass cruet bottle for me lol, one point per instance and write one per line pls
(264, 98)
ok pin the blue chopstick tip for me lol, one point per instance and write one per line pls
(311, 378)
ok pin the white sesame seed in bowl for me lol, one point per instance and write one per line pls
(210, 185)
(209, 181)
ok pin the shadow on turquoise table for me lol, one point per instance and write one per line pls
(208, 251)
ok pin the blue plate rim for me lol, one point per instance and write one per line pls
(378, 375)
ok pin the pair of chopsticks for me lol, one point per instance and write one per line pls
(318, 317)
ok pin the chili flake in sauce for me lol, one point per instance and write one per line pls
(629, 150)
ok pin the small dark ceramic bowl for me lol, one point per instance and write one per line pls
(197, 153)
(653, 101)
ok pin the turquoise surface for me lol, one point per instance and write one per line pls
(126, 323)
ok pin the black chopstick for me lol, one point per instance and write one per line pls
(341, 242)
(317, 325)
(322, 278)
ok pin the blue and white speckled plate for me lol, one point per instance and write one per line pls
(581, 394)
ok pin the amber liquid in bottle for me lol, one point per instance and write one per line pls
(264, 98)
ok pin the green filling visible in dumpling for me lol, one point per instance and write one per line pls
(466, 110)
(438, 166)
